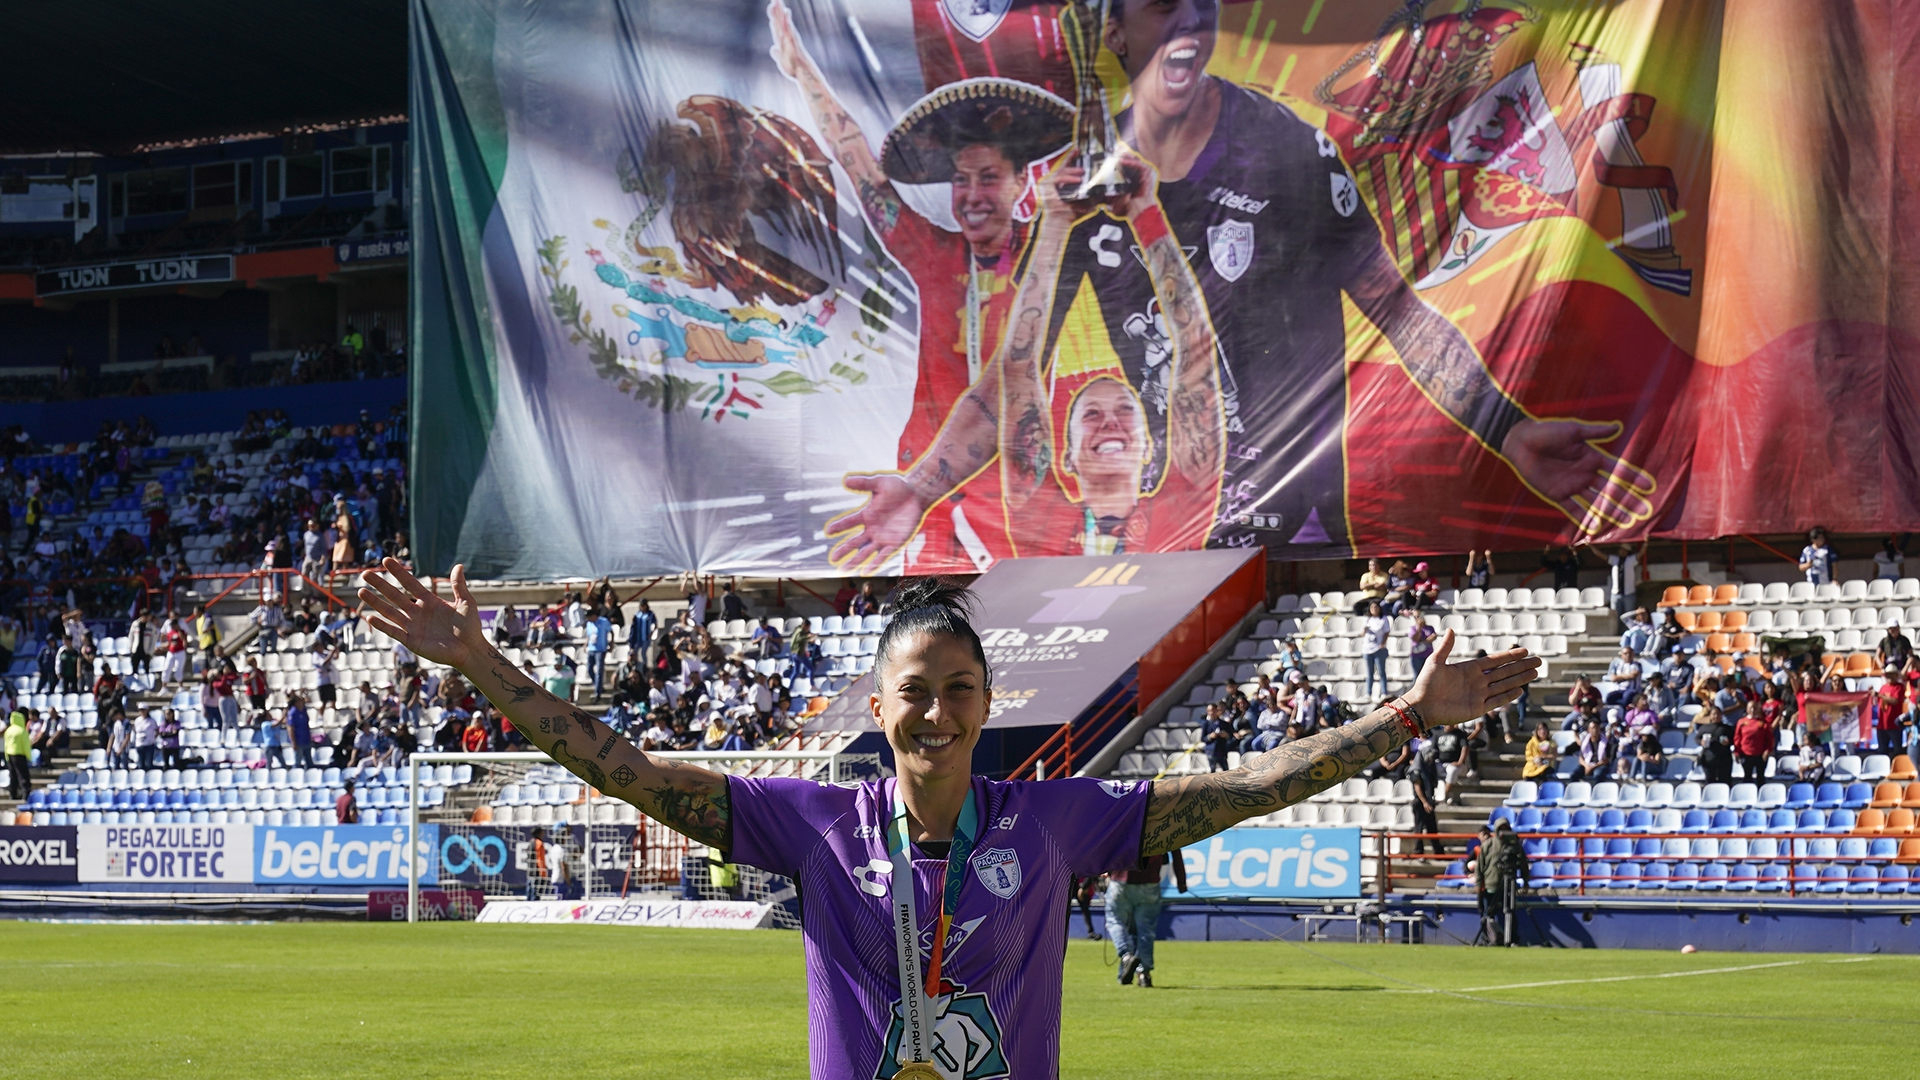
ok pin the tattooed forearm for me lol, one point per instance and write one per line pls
(514, 690)
(1196, 424)
(1192, 808)
(699, 812)
(1435, 354)
(584, 768)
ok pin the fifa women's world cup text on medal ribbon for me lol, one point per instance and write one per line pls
(916, 991)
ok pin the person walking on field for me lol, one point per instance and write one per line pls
(1133, 913)
(1497, 874)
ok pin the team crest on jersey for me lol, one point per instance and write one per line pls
(1230, 246)
(1345, 196)
(976, 18)
(1119, 789)
(966, 1037)
(999, 870)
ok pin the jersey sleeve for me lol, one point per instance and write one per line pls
(1344, 231)
(1096, 823)
(778, 821)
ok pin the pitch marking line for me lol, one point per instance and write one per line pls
(1634, 978)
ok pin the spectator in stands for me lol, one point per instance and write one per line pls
(640, 635)
(509, 629)
(1662, 700)
(67, 662)
(1373, 587)
(346, 807)
(1817, 559)
(207, 633)
(1425, 774)
(48, 736)
(1479, 569)
(1543, 755)
(1895, 649)
(1889, 563)
(1373, 638)
(1564, 562)
(731, 605)
(47, 661)
(146, 738)
(254, 684)
(864, 602)
(1623, 580)
(119, 739)
(1595, 753)
(1217, 734)
(1453, 753)
(561, 682)
(1636, 724)
(175, 672)
(1715, 739)
(271, 618)
(1399, 588)
(1420, 639)
(599, 628)
(1583, 696)
(1753, 741)
(1623, 679)
(1637, 634)
(326, 655)
(18, 748)
(299, 729)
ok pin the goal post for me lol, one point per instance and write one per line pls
(608, 821)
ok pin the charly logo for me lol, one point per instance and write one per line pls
(999, 870)
(966, 1037)
(1119, 789)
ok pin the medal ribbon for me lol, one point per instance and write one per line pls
(918, 988)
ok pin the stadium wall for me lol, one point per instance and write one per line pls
(182, 414)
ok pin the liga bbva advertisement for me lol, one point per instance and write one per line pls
(840, 286)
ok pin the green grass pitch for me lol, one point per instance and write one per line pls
(340, 1000)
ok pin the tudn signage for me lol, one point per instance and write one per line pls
(134, 275)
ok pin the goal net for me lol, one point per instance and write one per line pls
(476, 818)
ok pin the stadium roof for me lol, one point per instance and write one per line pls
(111, 76)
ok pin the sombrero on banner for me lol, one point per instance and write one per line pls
(1024, 120)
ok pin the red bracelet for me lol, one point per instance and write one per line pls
(1150, 225)
(1412, 727)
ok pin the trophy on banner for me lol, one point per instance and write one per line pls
(1095, 142)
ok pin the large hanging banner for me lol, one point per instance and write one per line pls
(844, 286)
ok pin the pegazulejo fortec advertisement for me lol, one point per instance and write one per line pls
(344, 855)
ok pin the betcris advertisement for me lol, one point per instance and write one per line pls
(341, 855)
(1319, 864)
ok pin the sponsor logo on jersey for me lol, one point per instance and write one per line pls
(1345, 196)
(1230, 246)
(999, 870)
(1119, 789)
(1233, 200)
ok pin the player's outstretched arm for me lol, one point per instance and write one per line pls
(878, 200)
(1560, 460)
(685, 798)
(1192, 808)
(1026, 428)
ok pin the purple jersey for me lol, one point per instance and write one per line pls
(998, 1013)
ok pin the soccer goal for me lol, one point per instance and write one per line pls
(480, 813)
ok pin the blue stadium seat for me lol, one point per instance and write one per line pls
(1742, 877)
(1857, 796)
(1753, 821)
(1894, 880)
(1549, 794)
(1685, 877)
(1853, 848)
(1840, 821)
(1828, 796)
(1565, 847)
(1613, 821)
(1725, 821)
(1454, 876)
(1773, 878)
(1713, 877)
(1696, 821)
(1627, 875)
(1619, 848)
(1537, 847)
(1540, 875)
(1584, 821)
(1810, 821)
(1656, 875)
(1883, 847)
(1799, 797)
(1600, 875)
(1833, 879)
(1593, 847)
(1556, 820)
(1862, 879)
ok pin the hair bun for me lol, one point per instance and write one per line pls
(932, 592)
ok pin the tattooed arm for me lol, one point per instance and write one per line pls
(878, 200)
(1559, 460)
(1190, 809)
(1025, 430)
(683, 797)
(1196, 423)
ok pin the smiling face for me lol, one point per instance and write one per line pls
(1165, 46)
(1107, 438)
(931, 702)
(986, 184)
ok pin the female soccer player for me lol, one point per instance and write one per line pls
(935, 918)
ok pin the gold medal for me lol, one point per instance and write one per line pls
(917, 1070)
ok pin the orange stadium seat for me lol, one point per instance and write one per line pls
(1903, 769)
(1706, 622)
(1719, 642)
(1886, 795)
(1752, 659)
(1699, 594)
(1909, 850)
(1674, 596)
(1899, 823)
(1733, 620)
(1861, 664)
(1726, 594)
(1870, 823)
(1724, 663)
(1912, 799)
(482, 815)
(1745, 642)
(1685, 619)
